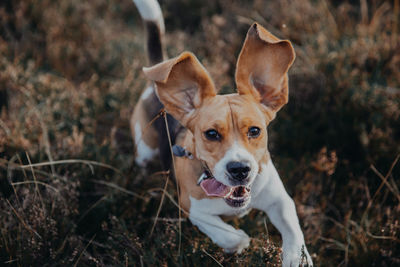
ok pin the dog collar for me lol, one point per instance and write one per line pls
(182, 152)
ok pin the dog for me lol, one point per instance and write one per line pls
(222, 163)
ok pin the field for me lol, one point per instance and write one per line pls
(70, 75)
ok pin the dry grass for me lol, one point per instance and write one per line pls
(71, 71)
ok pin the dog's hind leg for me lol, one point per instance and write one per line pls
(144, 133)
(148, 127)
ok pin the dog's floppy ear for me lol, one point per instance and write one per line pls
(262, 68)
(182, 84)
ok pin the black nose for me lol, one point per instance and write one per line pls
(238, 170)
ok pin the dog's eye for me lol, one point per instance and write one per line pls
(212, 135)
(253, 132)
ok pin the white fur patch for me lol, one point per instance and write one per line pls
(204, 214)
(146, 93)
(235, 153)
(144, 153)
(150, 10)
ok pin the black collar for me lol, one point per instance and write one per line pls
(181, 152)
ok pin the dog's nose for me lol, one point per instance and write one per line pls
(238, 170)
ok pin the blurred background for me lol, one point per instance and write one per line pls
(70, 75)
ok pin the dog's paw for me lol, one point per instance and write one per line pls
(296, 256)
(238, 241)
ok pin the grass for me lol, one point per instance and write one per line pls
(71, 71)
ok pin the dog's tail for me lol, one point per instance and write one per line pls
(152, 16)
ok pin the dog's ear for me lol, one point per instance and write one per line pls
(262, 67)
(182, 84)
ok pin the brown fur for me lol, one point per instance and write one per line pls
(262, 68)
(236, 114)
(182, 85)
(188, 94)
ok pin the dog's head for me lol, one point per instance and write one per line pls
(230, 131)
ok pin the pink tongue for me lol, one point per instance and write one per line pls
(213, 188)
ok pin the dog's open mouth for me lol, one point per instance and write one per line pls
(234, 196)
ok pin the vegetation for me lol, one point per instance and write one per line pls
(71, 71)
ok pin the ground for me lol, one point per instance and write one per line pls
(70, 75)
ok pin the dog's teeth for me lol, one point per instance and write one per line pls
(229, 193)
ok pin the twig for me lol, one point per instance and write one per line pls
(393, 238)
(92, 207)
(4, 126)
(117, 187)
(340, 245)
(348, 241)
(72, 161)
(364, 11)
(45, 137)
(266, 228)
(384, 181)
(174, 220)
(10, 165)
(159, 207)
(9, 177)
(177, 185)
(36, 182)
(211, 256)
(80, 255)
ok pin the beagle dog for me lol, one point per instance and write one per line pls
(222, 163)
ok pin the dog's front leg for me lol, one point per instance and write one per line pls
(273, 199)
(224, 235)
